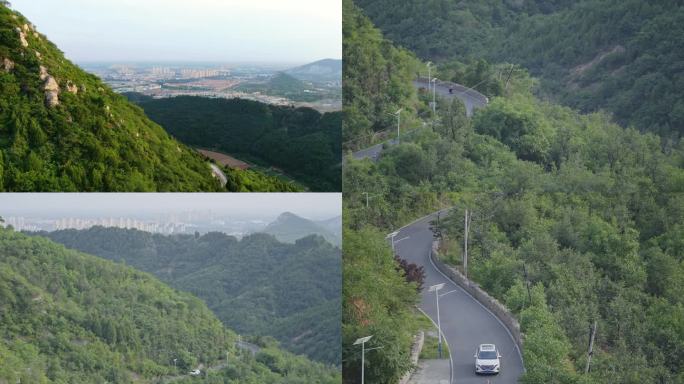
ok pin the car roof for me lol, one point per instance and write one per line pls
(487, 347)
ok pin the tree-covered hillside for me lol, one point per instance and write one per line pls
(593, 210)
(589, 212)
(621, 56)
(62, 129)
(288, 86)
(256, 285)
(69, 317)
(376, 79)
(300, 141)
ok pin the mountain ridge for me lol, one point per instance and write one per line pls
(288, 227)
(256, 285)
(318, 71)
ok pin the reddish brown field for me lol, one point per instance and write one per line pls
(224, 159)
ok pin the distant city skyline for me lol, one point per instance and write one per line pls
(259, 31)
(266, 206)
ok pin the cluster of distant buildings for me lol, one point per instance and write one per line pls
(20, 223)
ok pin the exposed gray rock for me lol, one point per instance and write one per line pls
(38, 55)
(22, 37)
(7, 64)
(43, 73)
(51, 88)
(71, 87)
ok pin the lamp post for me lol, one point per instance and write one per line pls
(436, 289)
(398, 113)
(429, 63)
(391, 237)
(434, 95)
(363, 341)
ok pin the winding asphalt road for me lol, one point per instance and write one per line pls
(471, 98)
(465, 322)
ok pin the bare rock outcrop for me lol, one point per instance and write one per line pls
(51, 92)
(71, 87)
(7, 64)
(51, 88)
(22, 37)
(43, 73)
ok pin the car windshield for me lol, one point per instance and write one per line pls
(487, 355)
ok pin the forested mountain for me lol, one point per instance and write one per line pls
(283, 85)
(326, 70)
(622, 56)
(289, 228)
(62, 129)
(256, 285)
(69, 317)
(300, 141)
(591, 211)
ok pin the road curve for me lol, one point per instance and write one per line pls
(465, 322)
(470, 98)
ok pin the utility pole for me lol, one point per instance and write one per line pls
(398, 113)
(465, 243)
(429, 63)
(366, 193)
(592, 330)
(509, 77)
(434, 96)
(527, 284)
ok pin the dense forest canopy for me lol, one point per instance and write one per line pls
(590, 210)
(301, 141)
(621, 56)
(256, 285)
(68, 318)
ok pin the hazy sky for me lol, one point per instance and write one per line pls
(296, 31)
(248, 205)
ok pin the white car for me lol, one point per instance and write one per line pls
(487, 359)
(196, 372)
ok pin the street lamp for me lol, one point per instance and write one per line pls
(429, 63)
(363, 341)
(368, 196)
(436, 289)
(391, 236)
(398, 113)
(434, 96)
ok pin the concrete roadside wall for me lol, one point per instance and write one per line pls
(415, 353)
(498, 309)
